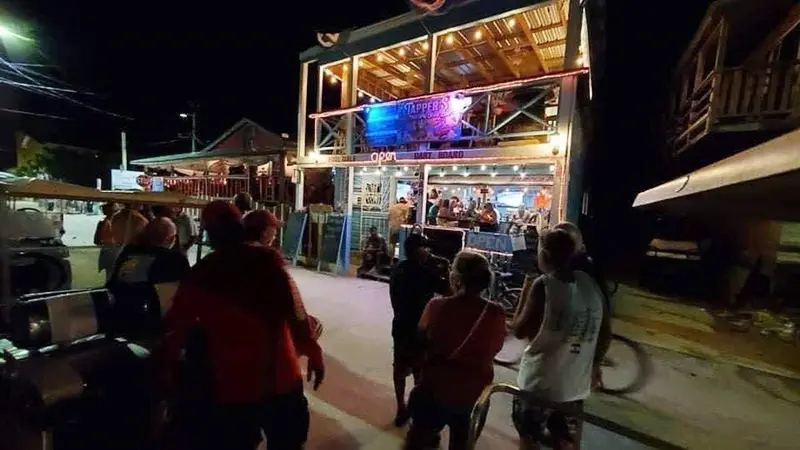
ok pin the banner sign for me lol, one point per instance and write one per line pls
(427, 119)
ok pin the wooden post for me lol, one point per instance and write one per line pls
(430, 74)
(716, 83)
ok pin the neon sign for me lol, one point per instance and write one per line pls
(382, 157)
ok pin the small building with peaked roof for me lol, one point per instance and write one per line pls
(245, 158)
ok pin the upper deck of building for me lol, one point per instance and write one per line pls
(740, 74)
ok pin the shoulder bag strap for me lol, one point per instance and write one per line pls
(471, 332)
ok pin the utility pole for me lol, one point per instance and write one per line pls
(124, 149)
(194, 131)
(193, 115)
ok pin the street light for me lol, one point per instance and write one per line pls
(6, 32)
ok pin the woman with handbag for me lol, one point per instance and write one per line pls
(462, 335)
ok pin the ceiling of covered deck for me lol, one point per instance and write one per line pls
(762, 182)
(527, 43)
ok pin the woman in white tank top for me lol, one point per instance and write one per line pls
(562, 316)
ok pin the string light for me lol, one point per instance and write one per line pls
(405, 168)
(402, 52)
(383, 169)
(516, 168)
(478, 35)
(511, 22)
(425, 45)
(380, 57)
(360, 94)
(334, 80)
(449, 39)
(373, 100)
(441, 174)
(344, 67)
(455, 168)
(483, 167)
(552, 168)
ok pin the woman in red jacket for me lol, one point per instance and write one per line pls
(250, 326)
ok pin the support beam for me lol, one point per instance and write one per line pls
(573, 25)
(500, 54)
(302, 114)
(523, 23)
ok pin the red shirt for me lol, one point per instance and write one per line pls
(254, 320)
(458, 378)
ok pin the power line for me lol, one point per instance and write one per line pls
(29, 113)
(61, 96)
(36, 86)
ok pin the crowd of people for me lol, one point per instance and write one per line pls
(448, 342)
(233, 328)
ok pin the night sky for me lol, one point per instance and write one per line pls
(148, 60)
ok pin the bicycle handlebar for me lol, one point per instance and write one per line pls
(481, 409)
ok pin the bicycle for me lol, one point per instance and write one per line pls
(625, 359)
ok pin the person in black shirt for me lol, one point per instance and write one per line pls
(144, 278)
(413, 283)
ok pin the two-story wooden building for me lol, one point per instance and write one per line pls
(482, 102)
(732, 130)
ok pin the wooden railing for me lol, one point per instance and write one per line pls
(738, 99)
(755, 95)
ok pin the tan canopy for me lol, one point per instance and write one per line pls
(36, 188)
(762, 182)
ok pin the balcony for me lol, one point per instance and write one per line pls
(738, 99)
(509, 114)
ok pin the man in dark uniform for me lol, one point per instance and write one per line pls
(414, 282)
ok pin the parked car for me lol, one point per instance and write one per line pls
(39, 260)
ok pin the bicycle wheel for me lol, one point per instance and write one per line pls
(626, 368)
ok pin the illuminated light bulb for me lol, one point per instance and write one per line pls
(512, 22)
(328, 72)
(402, 52)
(552, 168)
(483, 167)
(466, 174)
(494, 174)
(455, 168)
(506, 190)
(373, 100)
(441, 174)
(478, 35)
(449, 39)
(380, 57)
(516, 168)
(363, 169)
(360, 94)
(383, 169)
(334, 80)
(344, 67)
(399, 173)
(425, 45)
(405, 168)
(378, 171)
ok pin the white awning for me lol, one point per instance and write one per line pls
(763, 182)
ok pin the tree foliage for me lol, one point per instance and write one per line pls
(82, 168)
